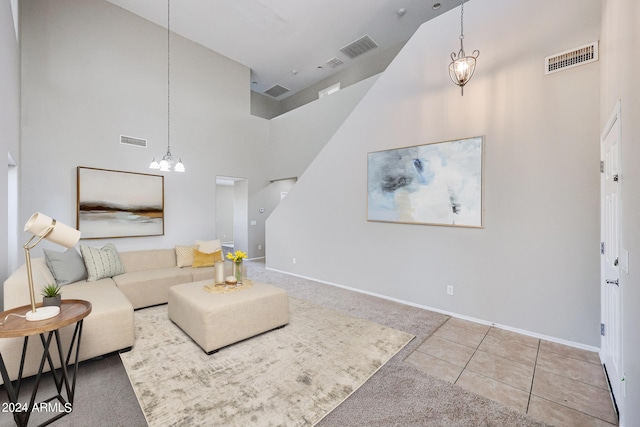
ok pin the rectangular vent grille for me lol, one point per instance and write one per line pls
(130, 140)
(276, 91)
(571, 58)
(362, 45)
(334, 62)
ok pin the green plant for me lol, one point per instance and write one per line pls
(51, 290)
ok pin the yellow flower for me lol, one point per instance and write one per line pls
(237, 256)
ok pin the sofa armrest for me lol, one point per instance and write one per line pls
(16, 287)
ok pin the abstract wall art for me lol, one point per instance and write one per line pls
(434, 184)
(119, 204)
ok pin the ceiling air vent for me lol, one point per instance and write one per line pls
(130, 140)
(362, 45)
(334, 62)
(276, 91)
(571, 58)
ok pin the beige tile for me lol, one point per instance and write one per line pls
(511, 350)
(450, 351)
(575, 369)
(561, 416)
(434, 366)
(462, 336)
(466, 324)
(505, 335)
(574, 353)
(494, 390)
(574, 394)
(504, 370)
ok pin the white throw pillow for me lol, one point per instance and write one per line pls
(208, 246)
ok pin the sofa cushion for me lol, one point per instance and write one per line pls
(148, 259)
(184, 255)
(66, 267)
(101, 263)
(202, 273)
(150, 287)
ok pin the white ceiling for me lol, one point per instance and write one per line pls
(275, 37)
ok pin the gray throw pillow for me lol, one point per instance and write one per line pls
(66, 267)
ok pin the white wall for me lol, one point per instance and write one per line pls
(296, 137)
(620, 68)
(535, 264)
(9, 121)
(91, 72)
(224, 212)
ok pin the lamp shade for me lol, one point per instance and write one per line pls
(62, 234)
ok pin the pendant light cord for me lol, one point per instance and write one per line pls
(461, 24)
(168, 77)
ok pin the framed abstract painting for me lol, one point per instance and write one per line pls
(434, 184)
(119, 204)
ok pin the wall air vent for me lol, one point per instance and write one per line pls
(334, 62)
(276, 91)
(362, 45)
(130, 140)
(571, 58)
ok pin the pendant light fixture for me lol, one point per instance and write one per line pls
(462, 67)
(168, 162)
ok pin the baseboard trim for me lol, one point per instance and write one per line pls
(448, 313)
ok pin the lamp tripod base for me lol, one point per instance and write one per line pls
(43, 313)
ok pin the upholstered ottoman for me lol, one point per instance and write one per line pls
(217, 319)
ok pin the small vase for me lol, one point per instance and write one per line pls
(237, 271)
(218, 273)
(52, 301)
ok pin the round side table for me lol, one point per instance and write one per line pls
(15, 326)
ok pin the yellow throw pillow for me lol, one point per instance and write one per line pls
(201, 259)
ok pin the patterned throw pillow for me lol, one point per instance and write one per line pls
(101, 263)
(184, 255)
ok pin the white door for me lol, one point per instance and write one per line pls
(611, 293)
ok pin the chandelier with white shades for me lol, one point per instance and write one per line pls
(168, 162)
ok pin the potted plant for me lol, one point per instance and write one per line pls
(51, 295)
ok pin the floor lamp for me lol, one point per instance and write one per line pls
(43, 227)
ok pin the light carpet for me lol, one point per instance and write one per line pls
(291, 376)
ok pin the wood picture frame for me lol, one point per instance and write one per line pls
(113, 203)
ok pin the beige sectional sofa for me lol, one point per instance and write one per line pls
(146, 281)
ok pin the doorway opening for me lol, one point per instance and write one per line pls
(232, 213)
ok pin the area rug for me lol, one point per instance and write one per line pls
(291, 376)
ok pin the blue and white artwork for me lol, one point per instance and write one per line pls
(439, 184)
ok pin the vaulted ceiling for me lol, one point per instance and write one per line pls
(291, 43)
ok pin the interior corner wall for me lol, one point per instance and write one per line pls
(91, 72)
(369, 64)
(620, 36)
(534, 266)
(296, 137)
(9, 121)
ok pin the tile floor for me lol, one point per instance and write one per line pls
(554, 383)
